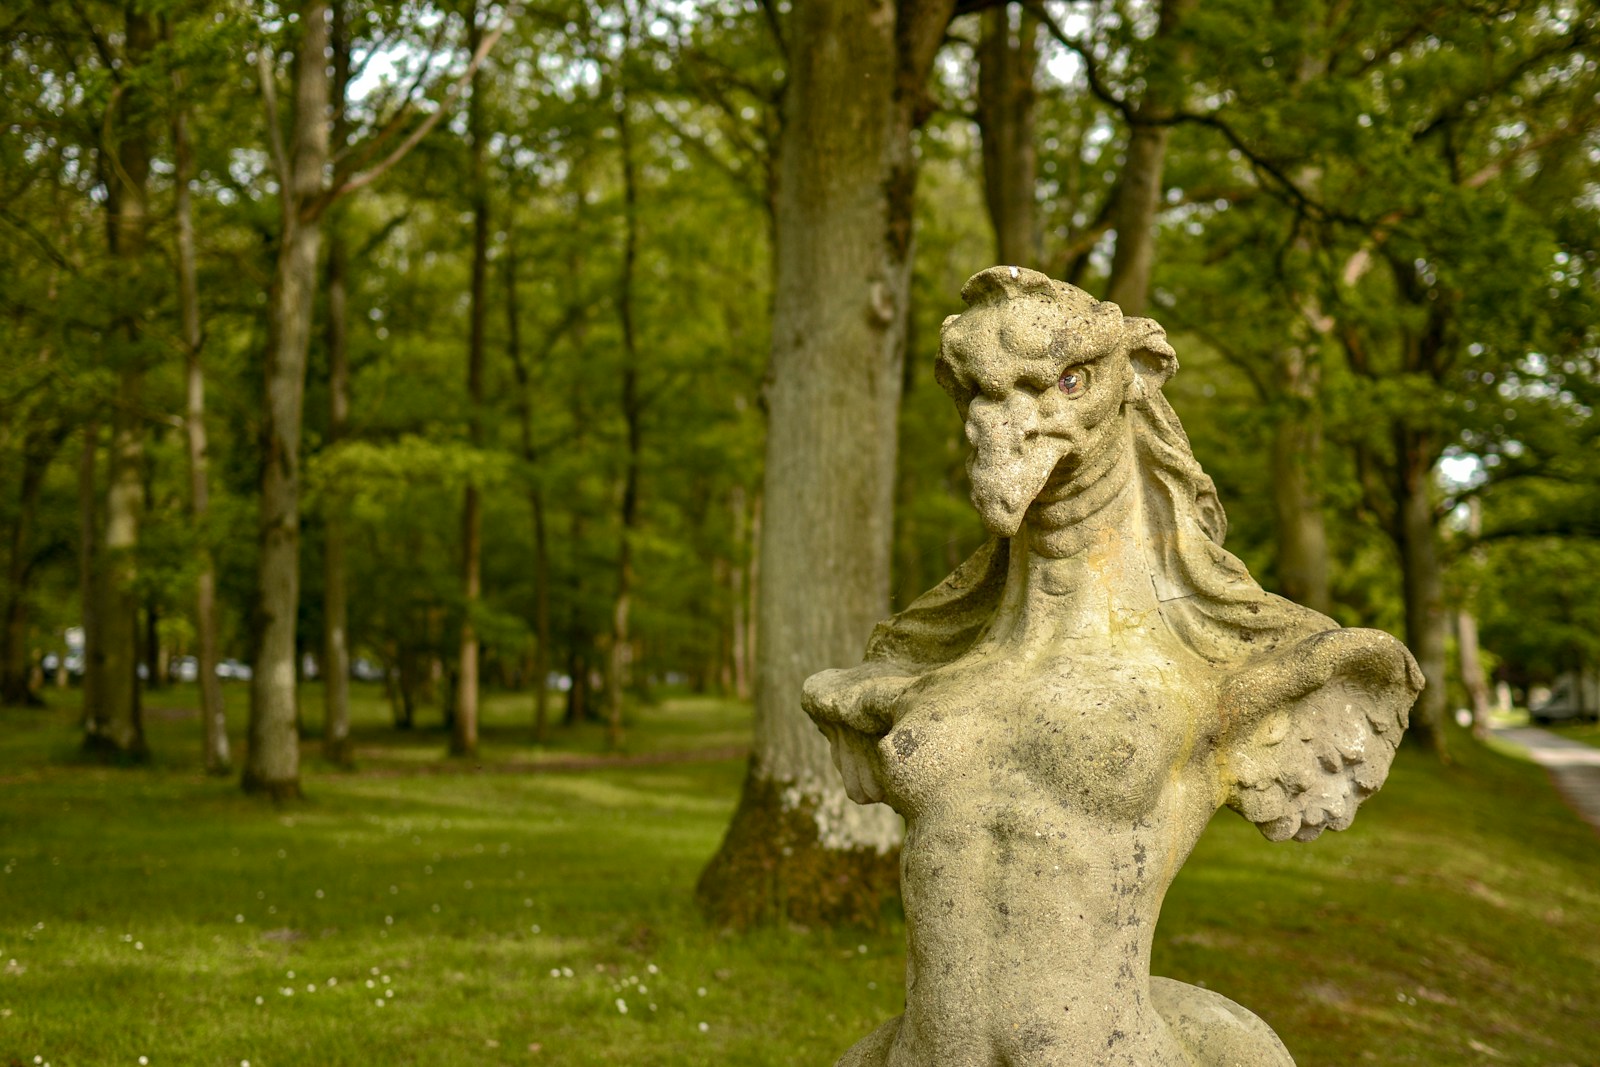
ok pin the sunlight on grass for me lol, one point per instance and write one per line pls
(458, 917)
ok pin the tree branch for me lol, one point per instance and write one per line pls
(372, 174)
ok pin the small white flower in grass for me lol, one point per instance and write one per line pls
(311, 987)
(700, 992)
(705, 1028)
(287, 991)
(388, 992)
(527, 902)
(244, 1063)
(393, 890)
(332, 982)
(644, 989)
(652, 1007)
(288, 974)
(380, 1002)
(566, 972)
(388, 920)
(622, 1006)
(653, 969)
(861, 949)
(534, 928)
(555, 972)
(142, 1059)
(319, 894)
(139, 945)
(261, 1000)
(238, 918)
(384, 979)
(374, 970)
(371, 984)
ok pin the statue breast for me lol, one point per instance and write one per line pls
(1094, 728)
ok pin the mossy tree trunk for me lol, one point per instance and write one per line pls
(1008, 57)
(797, 847)
(113, 724)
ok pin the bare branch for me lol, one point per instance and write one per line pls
(372, 174)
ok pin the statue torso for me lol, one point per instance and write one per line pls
(1053, 782)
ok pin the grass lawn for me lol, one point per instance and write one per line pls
(419, 912)
(1587, 732)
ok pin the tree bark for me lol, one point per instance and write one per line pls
(1007, 61)
(464, 738)
(632, 414)
(1423, 579)
(541, 540)
(1302, 543)
(797, 847)
(273, 762)
(88, 578)
(213, 717)
(16, 668)
(1139, 190)
(119, 729)
(336, 745)
(738, 592)
(1472, 674)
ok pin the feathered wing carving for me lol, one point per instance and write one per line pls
(1309, 732)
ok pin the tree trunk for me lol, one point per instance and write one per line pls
(1472, 674)
(1423, 579)
(117, 716)
(797, 847)
(1297, 478)
(464, 739)
(213, 718)
(273, 763)
(336, 746)
(16, 668)
(738, 592)
(1007, 60)
(617, 657)
(1139, 191)
(89, 581)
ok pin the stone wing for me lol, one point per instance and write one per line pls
(1308, 733)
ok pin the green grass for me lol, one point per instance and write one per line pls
(1587, 732)
(148, 909)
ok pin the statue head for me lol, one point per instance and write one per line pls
(1047, 379)
(1044, 377)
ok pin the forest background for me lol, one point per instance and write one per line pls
(582, 350)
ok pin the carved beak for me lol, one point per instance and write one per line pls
(1010, 460)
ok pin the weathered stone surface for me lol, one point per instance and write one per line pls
(1059, 719)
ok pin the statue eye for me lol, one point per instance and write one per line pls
(1074, 382)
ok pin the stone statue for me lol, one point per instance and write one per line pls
(1059, 719)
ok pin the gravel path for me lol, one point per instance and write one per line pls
(1573, 765)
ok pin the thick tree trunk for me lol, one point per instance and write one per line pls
(117, 718)
(1297, 476)
(632, 414)
(273, 763)
(213, 717)
(1139, 191)
(1426, 621)
(464, 738)
(797, 847)
(336, 746)
(1007, 60)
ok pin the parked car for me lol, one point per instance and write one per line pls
(1574, 697)
(232, 668)
(184, 669)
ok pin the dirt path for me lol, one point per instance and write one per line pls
(1573, 766)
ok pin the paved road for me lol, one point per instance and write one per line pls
(1573, 765)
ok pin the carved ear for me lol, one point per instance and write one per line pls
(1309, 732)
(1149, 351)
